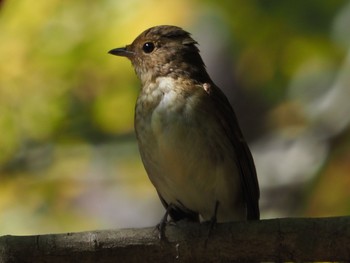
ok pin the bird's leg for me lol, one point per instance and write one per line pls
(212, 221)
(162, 224)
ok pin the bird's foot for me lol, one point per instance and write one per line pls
(162, 224)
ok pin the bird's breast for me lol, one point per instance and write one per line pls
(161, 104)
(167, 124)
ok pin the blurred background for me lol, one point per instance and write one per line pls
(68, 154)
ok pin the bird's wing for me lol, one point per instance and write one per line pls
(244, 157)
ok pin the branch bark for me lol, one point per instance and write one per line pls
(278, 240)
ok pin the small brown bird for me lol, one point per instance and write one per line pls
(189, 139)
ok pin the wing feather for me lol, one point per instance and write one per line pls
(245, 161)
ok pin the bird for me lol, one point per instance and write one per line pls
(189, 139)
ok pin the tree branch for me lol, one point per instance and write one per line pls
(289, 239)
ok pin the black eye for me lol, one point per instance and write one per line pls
(148, 47)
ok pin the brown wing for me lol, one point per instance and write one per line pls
(245, 160)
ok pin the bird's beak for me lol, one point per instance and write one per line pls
(122, 52)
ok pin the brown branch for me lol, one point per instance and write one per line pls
(290, 239)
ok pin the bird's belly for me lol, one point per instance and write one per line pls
(191, 165)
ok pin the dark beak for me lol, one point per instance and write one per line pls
(122, 52)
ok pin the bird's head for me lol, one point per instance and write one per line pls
(164, 51)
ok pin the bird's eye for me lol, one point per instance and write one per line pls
(148, 47)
